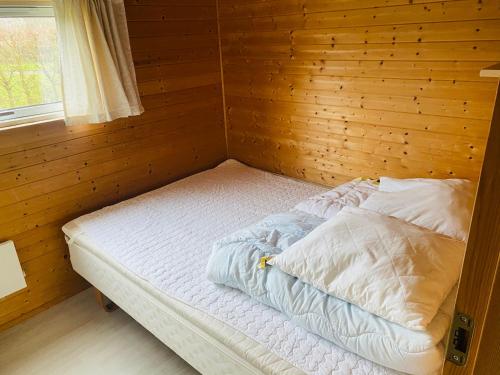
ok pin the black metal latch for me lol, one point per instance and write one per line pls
(460, 336)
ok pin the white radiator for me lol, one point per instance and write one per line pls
(11, 273)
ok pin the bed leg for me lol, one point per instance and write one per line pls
(104, 301)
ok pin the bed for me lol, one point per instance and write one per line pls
(149, 254)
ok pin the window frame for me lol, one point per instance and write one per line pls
(11, 117)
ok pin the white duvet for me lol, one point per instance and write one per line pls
(328, 204)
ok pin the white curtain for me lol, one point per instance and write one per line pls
(98, 75)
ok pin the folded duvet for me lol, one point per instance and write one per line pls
(234, 262)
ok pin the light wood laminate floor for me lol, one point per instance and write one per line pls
(77, 337)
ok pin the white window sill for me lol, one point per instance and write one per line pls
(31, 120)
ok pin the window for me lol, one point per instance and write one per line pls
(30, 77)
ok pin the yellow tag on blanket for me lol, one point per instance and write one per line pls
(364, 178)
(263, 260)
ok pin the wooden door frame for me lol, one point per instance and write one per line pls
(478, 292)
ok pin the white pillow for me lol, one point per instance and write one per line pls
(327, 205)
(444, 206)
(390, 268)
(391, 184)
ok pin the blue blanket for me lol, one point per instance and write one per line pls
(235, 258)
(235, 262)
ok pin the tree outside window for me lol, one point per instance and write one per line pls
(29, 62)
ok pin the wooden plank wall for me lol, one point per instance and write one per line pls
(50, 174)
(330, 90)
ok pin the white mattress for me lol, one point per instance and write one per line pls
(164, 238)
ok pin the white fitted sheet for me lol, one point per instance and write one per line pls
(164, 238)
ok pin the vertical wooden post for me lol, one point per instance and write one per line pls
(477, 294)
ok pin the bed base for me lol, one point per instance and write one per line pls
(205, 351)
